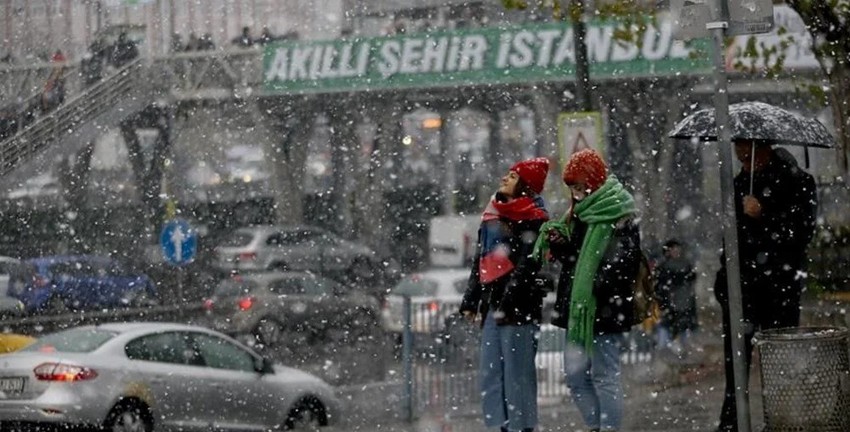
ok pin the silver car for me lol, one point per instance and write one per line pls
(146, 376)
(292, 308)
(289, 248)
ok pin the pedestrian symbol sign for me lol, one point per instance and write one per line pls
(580, 143)
(179, 242)
(578, 131)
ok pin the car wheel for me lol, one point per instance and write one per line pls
(279, 266)
(269, 332)
(309, 415)
(129, 417)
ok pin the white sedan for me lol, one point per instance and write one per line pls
(145, 376)
(435, 295)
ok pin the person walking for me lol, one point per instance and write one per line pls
(675, 277)
(502, 290)
(598, 245)
(775, 208)
(124, 51)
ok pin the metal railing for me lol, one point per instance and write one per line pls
(444, 360)
(65, 118)
(28, 79)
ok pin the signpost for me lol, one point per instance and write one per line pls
(733, 17)
(179, 244)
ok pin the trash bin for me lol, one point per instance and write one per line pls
(805, 375)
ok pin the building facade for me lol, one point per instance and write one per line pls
(33, 30)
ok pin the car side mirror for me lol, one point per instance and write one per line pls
(267, 366)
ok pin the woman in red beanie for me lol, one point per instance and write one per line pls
(503, 292)
(598, 245)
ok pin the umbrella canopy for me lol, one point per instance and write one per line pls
(758, 122)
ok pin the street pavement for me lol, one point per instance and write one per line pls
(668, 393)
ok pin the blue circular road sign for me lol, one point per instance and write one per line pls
(179, 242)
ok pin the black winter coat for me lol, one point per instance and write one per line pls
(613, 284)
(519, 294)
(772, 248)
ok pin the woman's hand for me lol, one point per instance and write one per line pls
(556, 238)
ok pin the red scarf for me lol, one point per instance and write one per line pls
(494, 235)
(519, 209)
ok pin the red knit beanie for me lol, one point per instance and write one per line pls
(586, 167)
(533, 172)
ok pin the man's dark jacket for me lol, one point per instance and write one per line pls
(772, 248)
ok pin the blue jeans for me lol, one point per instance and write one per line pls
(594, 381)
(508, 375)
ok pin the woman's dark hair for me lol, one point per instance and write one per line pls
(521, 189)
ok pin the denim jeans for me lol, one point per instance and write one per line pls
(508, 375)
(595, 381)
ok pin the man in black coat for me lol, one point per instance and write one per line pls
(775, 219)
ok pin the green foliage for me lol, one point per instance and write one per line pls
(829, 256)
(515, 4)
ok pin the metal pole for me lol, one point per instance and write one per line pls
(730, 230)
(576, 14)
(407, 359)
(180, 300)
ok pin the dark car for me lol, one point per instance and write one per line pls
(83, 282)
(290, 308)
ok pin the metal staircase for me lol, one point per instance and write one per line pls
(82, 117)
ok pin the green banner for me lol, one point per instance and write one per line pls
(528, 53)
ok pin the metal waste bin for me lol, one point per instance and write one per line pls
(805, 375)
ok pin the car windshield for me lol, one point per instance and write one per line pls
(72, 341)
(236, 239)
(415, 286)
(234, 287)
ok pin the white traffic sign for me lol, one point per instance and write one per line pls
(749, 17)
(690, 18)
(578, 131)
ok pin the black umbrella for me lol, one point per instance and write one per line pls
(757, 122)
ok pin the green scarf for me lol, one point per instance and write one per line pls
(600, 211)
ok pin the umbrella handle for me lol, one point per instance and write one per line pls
(752, 165)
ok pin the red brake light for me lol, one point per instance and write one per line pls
(246, 303)
(208, 304)
(434, 306)
(247, 256)
(63, 372)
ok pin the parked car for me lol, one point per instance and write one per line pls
(296, 248)
(146, 376)
(11, 270)
(10, 307)
(435, 297)
(11, 342)
(290, 308)
(62, 283)
(435, 294)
